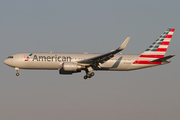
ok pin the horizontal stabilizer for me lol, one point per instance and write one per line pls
(163, 59)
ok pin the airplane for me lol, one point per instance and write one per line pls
(68, 63)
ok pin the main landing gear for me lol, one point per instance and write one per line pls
(88, 75)
(17, 69)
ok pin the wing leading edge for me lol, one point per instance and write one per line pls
(105, 57)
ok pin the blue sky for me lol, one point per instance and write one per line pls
(95, 26)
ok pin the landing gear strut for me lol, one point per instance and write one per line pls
(17, 69)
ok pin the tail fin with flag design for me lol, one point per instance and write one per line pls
(159, 47)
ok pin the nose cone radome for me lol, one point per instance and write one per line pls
(8, 62)
(5, 62)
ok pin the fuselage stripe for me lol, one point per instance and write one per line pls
(145, 62)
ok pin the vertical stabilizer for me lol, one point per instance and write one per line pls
(159, 47)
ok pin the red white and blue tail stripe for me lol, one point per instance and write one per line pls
(157, 48)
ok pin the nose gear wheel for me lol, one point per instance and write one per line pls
(17, 69)
(17, 74)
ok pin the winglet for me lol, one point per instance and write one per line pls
(123, 45)
(104, 57)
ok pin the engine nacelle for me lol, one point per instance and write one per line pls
(69, 68)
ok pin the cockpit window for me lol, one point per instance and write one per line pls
(10, 57)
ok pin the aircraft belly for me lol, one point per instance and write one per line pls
(140, 66)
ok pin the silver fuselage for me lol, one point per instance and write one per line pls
(54, 61)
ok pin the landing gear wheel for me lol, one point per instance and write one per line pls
(92, 74)
(88, 75)
(85, 77)
(17, 74)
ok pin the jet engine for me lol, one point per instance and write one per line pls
(69, 68)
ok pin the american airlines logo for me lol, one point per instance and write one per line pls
(27, 59)
(52, 58)
(49, 58)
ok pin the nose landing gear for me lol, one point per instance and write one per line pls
(17, 69)
(17, 74)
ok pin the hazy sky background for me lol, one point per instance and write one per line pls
(94, 26)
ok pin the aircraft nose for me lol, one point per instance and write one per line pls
(5, 61)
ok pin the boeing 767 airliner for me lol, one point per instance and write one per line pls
(74, 63)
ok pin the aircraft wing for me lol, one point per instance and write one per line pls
(104, 57)
(163, 59)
